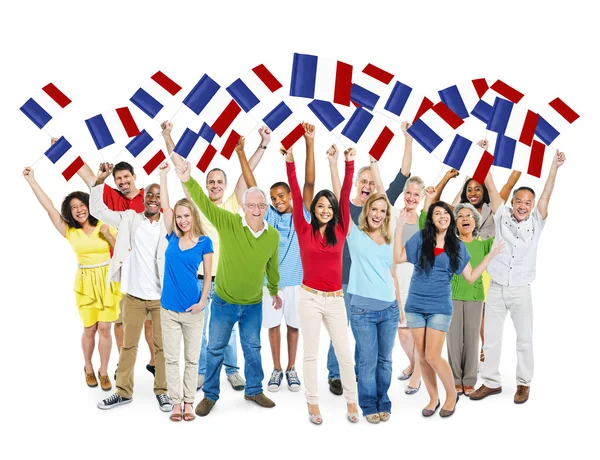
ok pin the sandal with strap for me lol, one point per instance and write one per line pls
(176, 417)
(373, 418)
(186, 415)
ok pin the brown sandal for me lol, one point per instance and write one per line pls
(186, 416)
(176, 417)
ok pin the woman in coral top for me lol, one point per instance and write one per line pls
(321, 298)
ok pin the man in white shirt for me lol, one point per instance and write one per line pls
(512, 273)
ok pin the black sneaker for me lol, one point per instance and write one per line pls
(151, 369)
(164, 402)
(335, 386)
(113, 401)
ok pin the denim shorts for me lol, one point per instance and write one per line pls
(432, 321)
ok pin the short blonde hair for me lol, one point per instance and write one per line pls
(363, 223)
(197, 229)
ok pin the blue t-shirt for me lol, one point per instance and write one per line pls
(180, 285)
(431, 293)
(370, 272)
(290, 265)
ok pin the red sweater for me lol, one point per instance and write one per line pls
(321, 264)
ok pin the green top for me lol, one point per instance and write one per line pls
(244, 259)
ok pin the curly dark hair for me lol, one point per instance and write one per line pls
(330, 228)
(428, 234)
(67, 215)
(463, 195)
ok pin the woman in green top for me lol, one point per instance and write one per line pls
(467, 300)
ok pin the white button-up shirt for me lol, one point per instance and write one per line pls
(260, 232)
(515, 266)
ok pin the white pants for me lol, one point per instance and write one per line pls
(289, 308)
(500, 300)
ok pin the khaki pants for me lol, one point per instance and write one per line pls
(134, 315)
(174, 326)
(312, 310)
(463, 341)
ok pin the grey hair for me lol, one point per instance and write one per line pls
(254, 189)
(415, 180)
(148, 187)
(362, 170)
(476, 215)
(217, 169)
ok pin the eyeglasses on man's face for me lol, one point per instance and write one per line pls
(252, 206)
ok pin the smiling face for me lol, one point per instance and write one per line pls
(364, 185)
(183, 218)
(465, 222)
(522, 203)
(376, 214)
(216, 184)
(412, 196)
(475, 193)
(255, 208)
(323, 210)
(125, 181)
(152, 200)
(441, 218)
(79, 211)
(281, 199)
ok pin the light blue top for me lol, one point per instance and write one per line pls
(370, 272)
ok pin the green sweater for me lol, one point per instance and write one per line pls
(243, 259)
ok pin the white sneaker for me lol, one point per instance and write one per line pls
(275, 380)
(200, 382)
(237, 382)
(113, 401)
(164, 403)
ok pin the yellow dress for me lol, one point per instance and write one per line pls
(96, 300)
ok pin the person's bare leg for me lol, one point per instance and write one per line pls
(104, 346)
(119, 335)
(408, 345)
(88, 342)
(149, 339)
(275, 343)
(292, 344)
(433, 355)
(415, 380)
(427, 371)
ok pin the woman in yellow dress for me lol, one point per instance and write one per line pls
(98, 302)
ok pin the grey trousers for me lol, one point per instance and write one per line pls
(463, 341)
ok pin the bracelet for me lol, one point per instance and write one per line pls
(262, 146)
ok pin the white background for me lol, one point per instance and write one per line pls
(98, 54)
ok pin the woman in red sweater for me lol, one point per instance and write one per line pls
(321, 298)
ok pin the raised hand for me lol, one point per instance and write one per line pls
(452, 173)
(333, 154)
(239, 147)
(105, 230)
(309, 131)
(164, 168)
(429, 192)
(184, 171)
(166, 127)
(53, 140)
(287, 154)
(104, 170)
(559, 159)
(265, 135)
(484, 144)
(404, 126)
(28, 174)
(350, 153)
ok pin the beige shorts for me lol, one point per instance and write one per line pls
(120, 318)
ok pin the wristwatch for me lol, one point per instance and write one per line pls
(262, 147)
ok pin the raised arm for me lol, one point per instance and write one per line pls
(100, 211)
(85, 172)
(177, 159)
(265, 138)
(408, 142)
(336, 183)
(164, 197)
(376, 174)
(397, 185)
(300, 223)
(495, 199)
(439, 188)
(399, 249)
(510, 184)
(472, 274)
(46, 202)
(557, 162)
(308, 191)
(345, 220)
(247, 173)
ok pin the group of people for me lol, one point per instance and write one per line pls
(205, 267)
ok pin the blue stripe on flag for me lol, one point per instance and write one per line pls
(201, 94)
(304, 76)
(482, 111)
(139, 143)
(186, 143)
(500, 115)
(424, 135)
(207, 133)
(363, 97)
(504, 151)
(245, 98)
(58, 149)
(457, 152)
(326, 113)
(545, 131)
(357, 124)
(452, 98)
(277, 116)
(398, 98)
(36, 113)
(99, 131)
(146, 103)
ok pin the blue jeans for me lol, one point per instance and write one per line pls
(230, 354)
(375, 335)
(332, 363)
(223, 317)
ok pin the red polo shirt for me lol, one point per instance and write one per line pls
(116, 201)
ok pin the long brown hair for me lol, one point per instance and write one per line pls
(197, 229)
(363, 223)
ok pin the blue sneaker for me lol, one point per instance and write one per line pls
(293, 381)
(275, 380)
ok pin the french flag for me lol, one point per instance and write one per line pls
(61, 155)
(218, 116)
(467, 157)
(434, 126)
(196, 149)
(366, 133)
(369, 85)
(554, 119)
(463, 98)
(513, 120)
(282, 121)
(402, 102)
(140, 148)
(152, 97)
(493, 104)
(255, 87)
(327, 114)
(119, 124)
(320, 78)
(45, 104)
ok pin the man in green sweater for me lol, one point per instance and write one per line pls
(249, 250)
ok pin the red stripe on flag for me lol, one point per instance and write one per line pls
(536, 159)
(483, 167)
(267, 78)
(226, 118)
(292, 137)
(57, 95)
(480, 86)
(73, 168)
(343, 84)
(529, 126)
(564, 110)
(426, 104)
(230, 144)
(382, 142)
(128, 122)
(378, 74)
(447, 115)
(154, 162)
(507, 91)
(206, 158)
(169, 85)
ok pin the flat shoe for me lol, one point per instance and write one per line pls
(90, 379)
(429, 412)
(411, 390)
(373, 418)
(448, 413)
(404, 376)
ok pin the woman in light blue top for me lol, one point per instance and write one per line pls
(374, 312)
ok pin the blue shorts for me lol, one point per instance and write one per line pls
(432, 321)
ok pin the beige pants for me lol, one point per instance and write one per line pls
(174, 326)
(134, 315)
(463, 341)
(312, 310)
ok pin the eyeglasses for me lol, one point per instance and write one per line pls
(364, 182)
(465, 216)
(252, 206)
